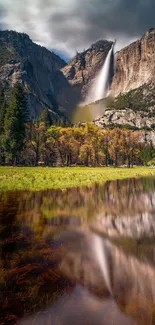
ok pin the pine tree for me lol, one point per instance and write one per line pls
(46, 117)
(2, 97)
(2, 111)
(2, 117)
(14, 125)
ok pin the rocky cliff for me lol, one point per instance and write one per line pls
(37, 68)
(48, 80)
(83, 69)
(133, 82)
(134, 109)
(135, 64)
(126, 117)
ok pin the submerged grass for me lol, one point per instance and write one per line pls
(42, 178)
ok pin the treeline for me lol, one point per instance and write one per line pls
(39, 142)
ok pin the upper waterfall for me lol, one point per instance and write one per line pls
(100, 87)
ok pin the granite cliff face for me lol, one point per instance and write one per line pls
(83, 69)
(123, 117)
(133, 81)
(133, 87)
(135, 65)
(37, 68)
(48, 80)
(134, 109)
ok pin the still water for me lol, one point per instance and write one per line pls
(81, 256)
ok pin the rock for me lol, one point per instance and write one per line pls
(123, 117)
(47, 79)
(135, 64)
(37, 68)
(50, 82)
(83, 69)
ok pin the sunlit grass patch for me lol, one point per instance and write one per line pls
(42, 178)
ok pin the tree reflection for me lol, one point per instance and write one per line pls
(30, 225)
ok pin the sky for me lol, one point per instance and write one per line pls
(67, 26)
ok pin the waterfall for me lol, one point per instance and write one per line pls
(100, 87)
(102, 82)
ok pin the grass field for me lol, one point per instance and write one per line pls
(42, 178)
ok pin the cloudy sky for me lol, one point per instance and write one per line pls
(69, 25)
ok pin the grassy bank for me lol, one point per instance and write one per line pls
(31, 178)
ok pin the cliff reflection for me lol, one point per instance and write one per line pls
(41, 265)
(121, 293)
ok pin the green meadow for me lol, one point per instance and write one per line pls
(42, 178)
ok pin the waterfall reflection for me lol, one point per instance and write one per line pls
(98, 242)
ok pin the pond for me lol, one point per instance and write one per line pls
(83, 256)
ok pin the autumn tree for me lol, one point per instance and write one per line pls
(105, 136)
(68, 147)
(131, 146)
(115, 146)
(90, 150)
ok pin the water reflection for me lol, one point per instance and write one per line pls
(83, 247)
(81, 307)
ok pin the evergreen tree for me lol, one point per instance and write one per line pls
(147, 152)
(2, 97)
(46, 117)
(14, 125)
(2, 117)
(2, 111)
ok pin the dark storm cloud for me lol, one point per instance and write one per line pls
(67, 25)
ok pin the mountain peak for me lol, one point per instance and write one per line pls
(149, 33)
(8, 34)
(100, 45)
(35, 66)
